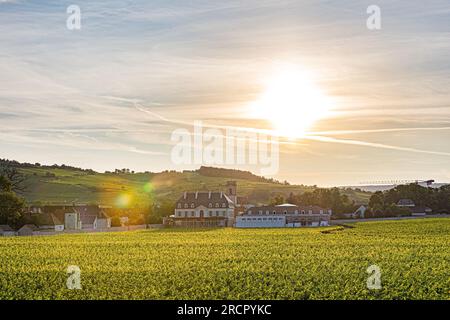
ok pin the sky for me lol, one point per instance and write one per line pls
(111, 94)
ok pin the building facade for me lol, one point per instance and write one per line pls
(206, 208)
(415, 210)
(285, 215)
(70, 217)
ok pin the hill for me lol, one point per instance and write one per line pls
(65, 184)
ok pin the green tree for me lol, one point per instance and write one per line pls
(377, 200)
(15, 177)
(5, 184)
(11, 207)
(277, 200)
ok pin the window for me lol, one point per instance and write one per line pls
(192, 213)
(274, 212)
(210, 205)
(217, 205)
(296, 211)
(303, 212)
(310, 211)
(260, 212)
(185, 205)
(179, 205)
(264, 219)
(285, 212)
(249, 211)
(321, 211)
(223, 205)
(267, 212)
(192, 206)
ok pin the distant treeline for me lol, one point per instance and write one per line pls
(204, 171)
(234, 174)
(17, 164)
(332, 199)
(438, 199)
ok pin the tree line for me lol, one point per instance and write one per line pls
(383, 203)
(235, 174)
(6, 163)
(331, 198)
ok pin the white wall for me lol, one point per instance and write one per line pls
(7, 233)
(271, 221)
(260, 221)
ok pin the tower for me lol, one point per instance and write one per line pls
(231, 191)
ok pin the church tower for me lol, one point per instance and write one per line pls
(231, 191)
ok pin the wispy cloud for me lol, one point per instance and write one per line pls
(137, 70)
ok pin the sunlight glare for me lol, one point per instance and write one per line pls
(292, 102)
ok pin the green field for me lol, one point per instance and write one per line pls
(69, 185)
(414, 257)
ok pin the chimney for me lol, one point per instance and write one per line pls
(196, 194)
(185, 195)
(209, 195)
(221, 195)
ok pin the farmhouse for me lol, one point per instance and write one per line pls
(415, 210)
(93, 217)
(6, 231)
(70, 217)
(206, 208)
(284, 215)
(48, 222)
(420, 210)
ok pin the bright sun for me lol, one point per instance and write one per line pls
(292, 102)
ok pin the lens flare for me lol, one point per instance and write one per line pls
(148, 187)
(123, 200)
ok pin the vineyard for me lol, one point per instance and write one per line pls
(414, 258)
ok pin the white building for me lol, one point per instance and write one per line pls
(284, 216)
(256, 221)
(72, 221)
(206, 208)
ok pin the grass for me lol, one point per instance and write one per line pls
(413, 255)
(69, 186)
